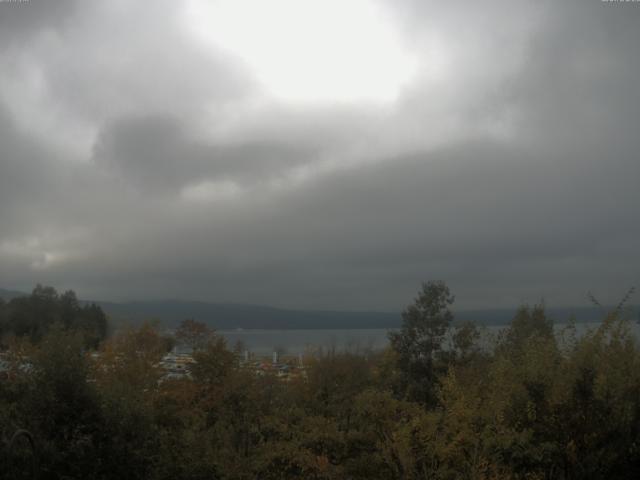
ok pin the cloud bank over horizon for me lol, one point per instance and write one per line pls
(316, 155)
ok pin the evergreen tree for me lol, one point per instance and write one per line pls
(418, 344)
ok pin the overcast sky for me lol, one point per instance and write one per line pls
(321, 154)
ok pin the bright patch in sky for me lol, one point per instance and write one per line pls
(209, 190)
(35, 251)
(309, 50)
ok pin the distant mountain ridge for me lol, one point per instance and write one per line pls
(234, 316)
(9, 294)
(224, 316)
(228, 316)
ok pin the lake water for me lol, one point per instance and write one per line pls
(264, 342)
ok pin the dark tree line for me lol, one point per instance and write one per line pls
(33, 316)
(444, 401)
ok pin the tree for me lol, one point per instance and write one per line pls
(3, 318)
(465, 342)
(126, 375)
(34, 315)
(94, 325)
(69, 309)
(419, 341)
(61, 407)
(193, 334)
(527, 323)
(214, 362)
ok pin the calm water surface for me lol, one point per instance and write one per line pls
(264, 342)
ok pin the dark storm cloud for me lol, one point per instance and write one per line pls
(158, 153)
(144, 165)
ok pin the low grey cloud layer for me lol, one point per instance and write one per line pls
(139, 161)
